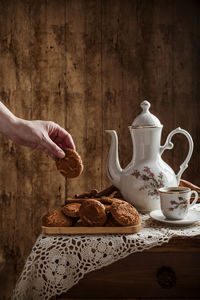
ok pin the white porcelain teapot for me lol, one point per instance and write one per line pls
(147, 172)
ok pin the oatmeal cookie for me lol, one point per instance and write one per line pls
(56, 219)
(93, 212)
(124, 213)
(71, 210)
(71, 165)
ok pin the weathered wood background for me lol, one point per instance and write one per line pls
(87, 64)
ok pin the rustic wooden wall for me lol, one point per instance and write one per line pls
(87, 64)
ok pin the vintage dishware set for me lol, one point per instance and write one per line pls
(147, 173)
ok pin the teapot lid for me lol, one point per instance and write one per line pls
(146, 119)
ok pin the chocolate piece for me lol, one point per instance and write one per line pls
(107, 191)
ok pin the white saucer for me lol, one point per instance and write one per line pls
(192, 217)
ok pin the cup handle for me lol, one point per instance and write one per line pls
(195, 199)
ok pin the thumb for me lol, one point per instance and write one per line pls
(52, 147)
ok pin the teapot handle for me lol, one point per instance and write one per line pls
(169, 145)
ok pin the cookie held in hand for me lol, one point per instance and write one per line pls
(93, 212)
(56, 219)
(124, 213)
(71, 165)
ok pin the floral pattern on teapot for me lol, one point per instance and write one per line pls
(150, 183)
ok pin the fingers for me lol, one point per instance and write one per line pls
(51, 148)
(61, 137)
(65, 139)
(55, 139)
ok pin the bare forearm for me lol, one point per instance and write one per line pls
(8, 121)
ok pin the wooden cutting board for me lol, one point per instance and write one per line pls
(91, 230)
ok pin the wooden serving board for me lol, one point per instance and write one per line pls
(91, 230)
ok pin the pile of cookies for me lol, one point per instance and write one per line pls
(96, 211)
(104, 208)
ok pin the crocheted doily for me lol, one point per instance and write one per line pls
(57, 263)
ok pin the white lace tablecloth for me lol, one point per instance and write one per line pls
(58, 262)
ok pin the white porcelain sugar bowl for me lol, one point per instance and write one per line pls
(147, 172)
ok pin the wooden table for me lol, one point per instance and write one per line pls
(171, 271)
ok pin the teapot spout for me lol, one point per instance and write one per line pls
(113, 166)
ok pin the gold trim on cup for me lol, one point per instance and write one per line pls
(174, 190)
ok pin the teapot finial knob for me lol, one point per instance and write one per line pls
(145, 105)
(145, 118)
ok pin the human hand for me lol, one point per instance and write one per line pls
(43, 135)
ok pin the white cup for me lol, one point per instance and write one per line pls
(175, 201)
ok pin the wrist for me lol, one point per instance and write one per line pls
(14, 128)
(7, 120)
(9, 125)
